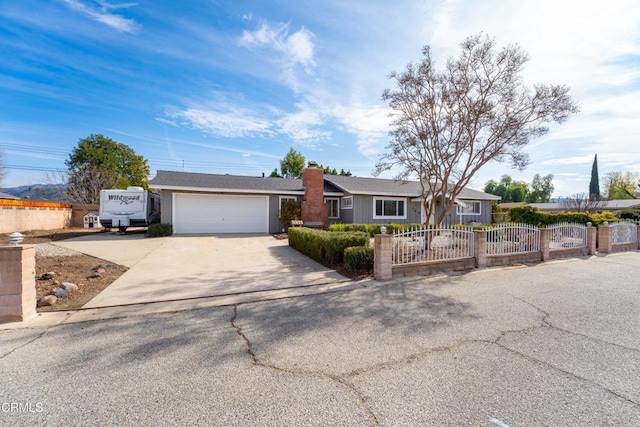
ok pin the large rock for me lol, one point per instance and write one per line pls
(59, 293)
(46, 276)
(94, 276)
(100, 266)
(47, 300)
(69, 287)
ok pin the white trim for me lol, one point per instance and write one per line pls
(472, 203)
(406, 207)
(337, 200)
(209, 190)
(350, 205)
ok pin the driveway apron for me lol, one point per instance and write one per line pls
(183, 267)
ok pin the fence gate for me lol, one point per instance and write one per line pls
(423, 245)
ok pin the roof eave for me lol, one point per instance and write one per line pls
(224, 190)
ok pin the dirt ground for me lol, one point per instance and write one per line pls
(74, 269)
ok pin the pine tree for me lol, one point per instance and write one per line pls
(594, 185)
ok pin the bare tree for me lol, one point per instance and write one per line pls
(3, 170)
(449, 123)
(582, 203)
(84, 184)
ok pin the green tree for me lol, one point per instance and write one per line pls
(508, 189)
(107, 163)
(328, 170)
(541, 189)
(621, 186)
(449, 122)
(275, 174)
(292, 165)
(594, 184)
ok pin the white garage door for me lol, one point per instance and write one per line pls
(204, 214)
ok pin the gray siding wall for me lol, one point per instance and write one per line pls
(362, 212)
(483, 218)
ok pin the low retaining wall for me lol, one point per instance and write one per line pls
(568, 253)
(18, 215)
(465, 264)
(512, 259)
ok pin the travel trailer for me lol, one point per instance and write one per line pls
(133, 207)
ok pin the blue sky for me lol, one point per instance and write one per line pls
(229, 86)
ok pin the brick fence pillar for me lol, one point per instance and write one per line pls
(480, 248)
(17, 283)
(592, 236)
(382, 257)
(605, 244)
(545, 243)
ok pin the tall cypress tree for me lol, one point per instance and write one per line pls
(594, 185)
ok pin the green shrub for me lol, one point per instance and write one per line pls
(632, 214)
(359, 259)
(526, 215)
(289, 211)
(598, 218)
(160, 230)
(372, 229)
(532, 215)
(323, 246)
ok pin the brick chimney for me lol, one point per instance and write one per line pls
(315, 212)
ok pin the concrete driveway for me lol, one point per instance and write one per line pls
(555, 344)
(185, 267)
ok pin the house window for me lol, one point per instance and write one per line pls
(284, 199)
(346, 202)
(334, 211)
(472, 208)
(389, 208)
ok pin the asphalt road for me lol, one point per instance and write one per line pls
(551, 344)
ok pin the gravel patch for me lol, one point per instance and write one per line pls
(45, 250)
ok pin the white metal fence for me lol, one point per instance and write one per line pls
(624, 232)
(422, 245)
(565, 235)
(506, 239)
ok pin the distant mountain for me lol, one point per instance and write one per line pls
(51, 192)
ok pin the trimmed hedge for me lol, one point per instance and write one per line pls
(372, 229)
(159, 230)
(359, 259)
(532, 215)
(323, 246)
(632, 214)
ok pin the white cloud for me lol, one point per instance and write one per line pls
(223, 120)
(296, 49)
(104, 16)
(302, 127)
(369, 123)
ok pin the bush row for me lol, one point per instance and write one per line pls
(632, 214)
(359, 259)
(371, 228)
(532, 215)
(323, 246)
(159, 230)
